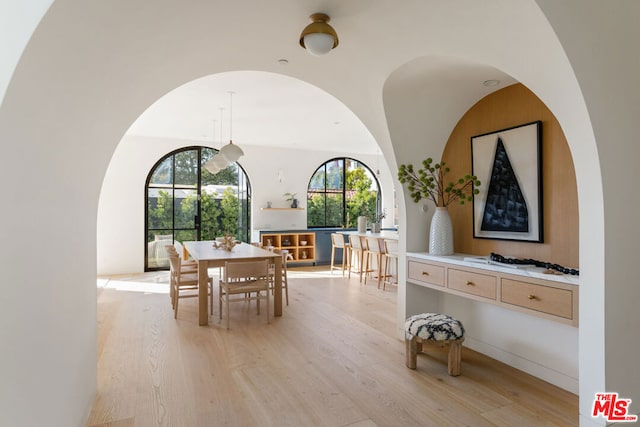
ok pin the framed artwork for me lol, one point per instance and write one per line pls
(508, 164)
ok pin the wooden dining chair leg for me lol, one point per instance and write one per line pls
(220, 303)
(268, 318)
(285, 283)
(175, 308)
(258, 301)
(228, 315)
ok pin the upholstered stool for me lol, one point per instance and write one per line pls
(434, 328)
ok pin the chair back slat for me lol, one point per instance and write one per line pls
(356, 242)
(375, 245)
(337, 240)
(246, 269)
(391, 246)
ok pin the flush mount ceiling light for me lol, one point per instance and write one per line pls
(319, 37)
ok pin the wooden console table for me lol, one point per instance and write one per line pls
(528, 290)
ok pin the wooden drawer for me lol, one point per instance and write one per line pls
(426, 273)
(546, 299)
(481, 285)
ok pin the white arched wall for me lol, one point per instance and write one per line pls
(91, 68)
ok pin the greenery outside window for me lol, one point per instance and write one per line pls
(184, 201)
(340, 191)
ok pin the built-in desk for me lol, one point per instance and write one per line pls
(527, 289)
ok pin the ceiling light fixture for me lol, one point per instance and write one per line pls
(491, 82)
(231, 152)
(216, 163)
(319, 37)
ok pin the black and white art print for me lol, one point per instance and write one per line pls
(508, 164)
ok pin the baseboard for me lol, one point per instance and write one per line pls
(530, 367)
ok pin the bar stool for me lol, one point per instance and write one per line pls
(375, 250)
(337, 242)
(357, 252)
(391, 254)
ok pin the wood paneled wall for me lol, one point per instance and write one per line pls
(512, 106)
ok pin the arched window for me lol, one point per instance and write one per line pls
(184, 201)
(339, 192)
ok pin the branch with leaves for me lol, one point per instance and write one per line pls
(429, 183)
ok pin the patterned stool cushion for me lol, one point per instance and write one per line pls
(434, 327)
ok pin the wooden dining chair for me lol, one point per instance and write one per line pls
(249, 280)
(186, 266)
(272, 272)
(184, 283)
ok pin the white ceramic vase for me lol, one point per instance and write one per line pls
(441, 233)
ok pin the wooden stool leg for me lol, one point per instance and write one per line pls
(411, 352)
(455, 358)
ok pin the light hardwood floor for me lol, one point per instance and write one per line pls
(332, 359)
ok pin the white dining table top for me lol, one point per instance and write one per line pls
(204, 250)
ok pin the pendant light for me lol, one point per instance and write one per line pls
(218, 159)
(231, 152)
(212, 165)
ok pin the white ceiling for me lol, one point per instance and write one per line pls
(269, 109)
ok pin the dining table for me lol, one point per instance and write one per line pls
(208, 254)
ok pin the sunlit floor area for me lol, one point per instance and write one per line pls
(333, 359)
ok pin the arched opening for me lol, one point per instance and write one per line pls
(341, 190)
(41, 111)
(184, 201)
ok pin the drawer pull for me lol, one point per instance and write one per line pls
(470, 283)
(531, 296)
(425, 273)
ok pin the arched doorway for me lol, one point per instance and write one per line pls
(184, 201)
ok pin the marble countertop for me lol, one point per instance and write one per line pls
(525, 271)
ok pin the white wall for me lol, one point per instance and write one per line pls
(90, 69)
(600, 39)
(120, 230)
(17, 21)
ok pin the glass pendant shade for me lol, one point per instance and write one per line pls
(231, 152)
(219, 161)
(211, 167)
(216, 164)
(319, 43)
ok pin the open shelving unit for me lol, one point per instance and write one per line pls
(301, 246)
